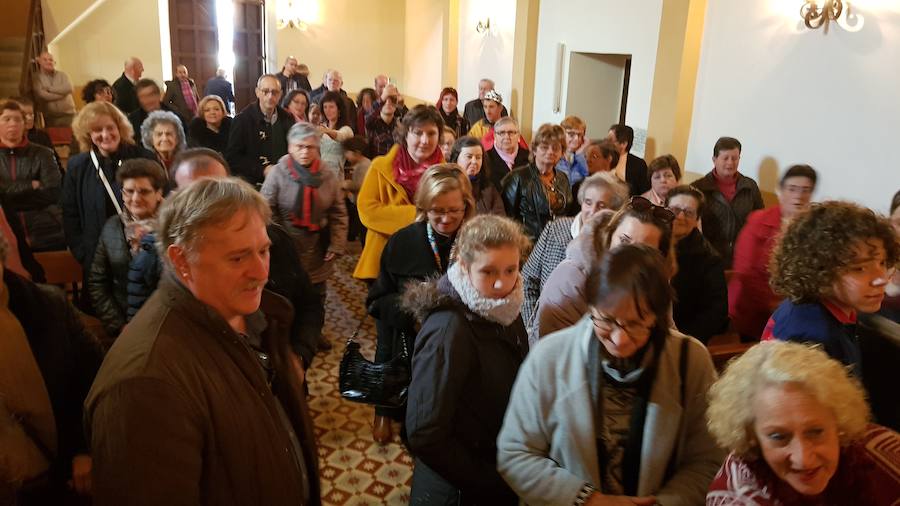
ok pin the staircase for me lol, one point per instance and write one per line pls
(12, 54)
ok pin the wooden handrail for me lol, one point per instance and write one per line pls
(34, 44)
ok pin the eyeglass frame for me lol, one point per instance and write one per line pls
(602, 320)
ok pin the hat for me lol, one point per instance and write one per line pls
(493, 95)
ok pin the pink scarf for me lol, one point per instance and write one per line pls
(510, 159)
(407, 173)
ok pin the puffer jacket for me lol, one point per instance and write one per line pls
(526, 202)
(564, 300)
(108, 278)
(464, 367)
(144, 272)
(37, 209)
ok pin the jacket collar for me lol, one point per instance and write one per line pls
(385, 169)
(177, 296)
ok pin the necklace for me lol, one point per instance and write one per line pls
(434, 249)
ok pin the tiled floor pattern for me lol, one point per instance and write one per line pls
(353, 468)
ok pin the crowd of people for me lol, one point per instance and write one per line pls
(554, 299)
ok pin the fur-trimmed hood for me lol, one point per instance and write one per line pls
(420, 298)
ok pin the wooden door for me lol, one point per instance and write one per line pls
(249, 49)
(195, 38)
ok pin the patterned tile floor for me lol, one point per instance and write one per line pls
(354, 469)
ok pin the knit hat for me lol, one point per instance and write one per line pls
(493, 95)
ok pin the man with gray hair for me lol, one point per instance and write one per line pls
(258, 136)
(474, 109)
(333, 80)
(53, 92)
(197, 402)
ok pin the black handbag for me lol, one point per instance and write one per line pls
(385, 385)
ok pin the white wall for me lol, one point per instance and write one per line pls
(597, 26)
(486, 55)
(97, 44)
(802, 96)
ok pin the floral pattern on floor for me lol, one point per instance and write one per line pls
(354, 470)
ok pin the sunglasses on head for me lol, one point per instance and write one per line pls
(641, 204)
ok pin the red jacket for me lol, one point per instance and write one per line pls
(750, 299)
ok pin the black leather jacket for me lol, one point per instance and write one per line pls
(526, 201)
(108, 277)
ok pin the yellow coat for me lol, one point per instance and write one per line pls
(384, 208)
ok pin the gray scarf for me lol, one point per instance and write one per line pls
(503, 311)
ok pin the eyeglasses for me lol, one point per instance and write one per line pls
(440, 213)
(504, 133)
(688, 213)
(267, 91)
(141, 192)
(306, 147)
(606, 324)
(639, 203)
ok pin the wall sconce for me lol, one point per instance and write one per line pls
(816, 16)
(288, 16)
(483, 27)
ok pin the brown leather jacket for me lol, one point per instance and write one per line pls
(180, 412)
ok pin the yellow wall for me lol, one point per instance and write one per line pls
(359, 39)
(681, 30)
(423, 61)
(98, 45)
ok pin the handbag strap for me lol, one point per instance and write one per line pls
(112, 196)
(355, 334)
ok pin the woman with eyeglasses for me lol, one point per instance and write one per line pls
(385, 200)
(468, 352)
(537, 193)
(307, 201)
(143, 182)
(701, 303)
(598, 192)
(416, 252)
(564, 298)
(611, 410)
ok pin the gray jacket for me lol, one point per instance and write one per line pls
(329, 212)
(547, 447)
(54, 93)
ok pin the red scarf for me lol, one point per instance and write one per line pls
(407, 173)
(301, 217)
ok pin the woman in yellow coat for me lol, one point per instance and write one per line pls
(387, 194)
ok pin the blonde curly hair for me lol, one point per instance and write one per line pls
(730, 416)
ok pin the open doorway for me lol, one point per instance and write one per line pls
(598, 89)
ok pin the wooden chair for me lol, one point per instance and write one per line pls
(61, 269)
(722, 353)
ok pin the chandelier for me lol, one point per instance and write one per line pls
(815, 15)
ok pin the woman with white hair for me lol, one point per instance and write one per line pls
(306, 198)
(797, 425)
(163, 134)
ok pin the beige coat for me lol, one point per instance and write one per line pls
(329, 212)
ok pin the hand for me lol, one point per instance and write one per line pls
(297, 366)
(35, 184)
(599, 499)
(329, 256)
(81, 474)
